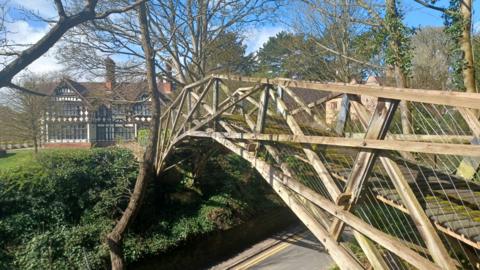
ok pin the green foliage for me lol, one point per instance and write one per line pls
(398, 41)
(292, 55)
(454, 23)
(55, 209)
(226, 54)
(142, 137)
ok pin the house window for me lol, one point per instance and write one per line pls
(71, 109)
(105, 132)
(333, 105)
(124, 132)
(103, 112)
(141, 109)
(67, 132)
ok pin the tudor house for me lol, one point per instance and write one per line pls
(86, 114)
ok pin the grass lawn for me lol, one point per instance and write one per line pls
(15, 158)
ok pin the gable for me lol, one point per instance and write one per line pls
(65, 93)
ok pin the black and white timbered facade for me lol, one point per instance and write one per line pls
(96, 113)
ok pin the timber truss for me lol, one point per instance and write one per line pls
(409, 200)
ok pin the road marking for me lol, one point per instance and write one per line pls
(270, 252)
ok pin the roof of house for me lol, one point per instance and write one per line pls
(98, 91)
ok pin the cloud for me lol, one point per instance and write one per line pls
(258, 36)
(21, 32)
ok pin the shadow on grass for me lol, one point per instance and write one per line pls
(7, 155)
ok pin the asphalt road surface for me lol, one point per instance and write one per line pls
(299, 250)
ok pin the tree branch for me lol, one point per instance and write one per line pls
(23, 89)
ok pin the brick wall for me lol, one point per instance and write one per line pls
(68, 145)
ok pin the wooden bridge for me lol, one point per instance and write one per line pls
(411, 200)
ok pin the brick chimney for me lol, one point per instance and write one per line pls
(165, 83)
(109, 73)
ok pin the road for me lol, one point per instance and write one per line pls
(295, 249)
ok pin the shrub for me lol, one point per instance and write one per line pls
(55, 209)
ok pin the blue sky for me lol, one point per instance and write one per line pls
(29, 31)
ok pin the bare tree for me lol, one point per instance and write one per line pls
(431, 59)
(182, 34)
(338, 29)
(185, 28)
(459, 15)
(23, 120)
(66, 20)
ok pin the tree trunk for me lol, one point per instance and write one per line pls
(147, 167)
(35, 144)
(405, 113)
(400, 75)
(468, 70)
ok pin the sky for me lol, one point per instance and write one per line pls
(30, 30)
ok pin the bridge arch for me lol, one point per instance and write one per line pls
(410, 199)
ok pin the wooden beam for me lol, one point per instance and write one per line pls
(391, 145)
(433, 242)
(179, 112)
(342, 115)
(196, 106)
(427, 231)
(262, 113)
(318, 120)
(275, 178)
(314, 159)
(373, 254)
(215, 98)
(449, 98)
(460, 139)
(313, 104)
(370, 250)
(365, 160)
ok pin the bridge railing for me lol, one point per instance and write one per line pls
(340, 155)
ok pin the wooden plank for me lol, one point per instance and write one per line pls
(391, 145)
(342, 115)
(275, 178)
(363, 116)
(469, 166)
(449, 98)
